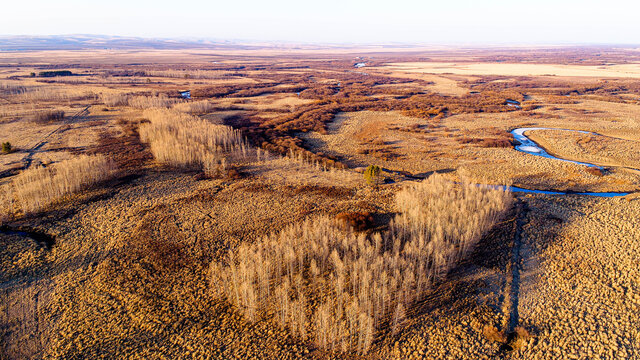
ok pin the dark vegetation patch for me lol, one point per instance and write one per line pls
(359, 220)
(555, 219)
(162, 252)
(48, 116)
(231, 173)
(603, 90)
(493, 137)
(128, 152)
(40, 237)
(594, 171)
(486, 142)
(385, 153)
(278, 134)
(54, 73)
(336, 192)
(7, 148)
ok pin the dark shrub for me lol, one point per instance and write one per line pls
(594, 171)
(48, 116)
(372, 174)
(6, 147)
(358, 220)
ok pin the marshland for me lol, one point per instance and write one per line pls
(291, 207)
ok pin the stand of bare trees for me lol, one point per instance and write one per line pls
(35, 188)
(336, 287)
(183, 140)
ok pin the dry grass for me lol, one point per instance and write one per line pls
(519, 69)
(48, 116)
(195, 107)
(147, 102)
(182, 140)
(115, 99)
(36, 188)
(601, 150)
(12, 88)
(583, 273)
(6, 203)
(37, 94)
(192, 74)
(92, 300)
(338, 287)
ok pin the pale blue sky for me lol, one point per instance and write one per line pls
(335, 21)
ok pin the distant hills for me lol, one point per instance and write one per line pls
(92, 42)
(80, 42)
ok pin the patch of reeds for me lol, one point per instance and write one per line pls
(12, 88)
(148, 102)
(6, 203)
(47, 116)
(115, 99)
(183, 140)
(35, 188)
(195, 107)
(339, 288)
(37, 94)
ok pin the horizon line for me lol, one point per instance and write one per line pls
(195, 40)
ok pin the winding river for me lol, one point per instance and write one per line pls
(530, 147)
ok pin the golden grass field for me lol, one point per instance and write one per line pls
(238, 224)
(515, 69)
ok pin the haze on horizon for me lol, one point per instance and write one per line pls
(333, 21)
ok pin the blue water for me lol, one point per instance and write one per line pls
(523, 190)
(530, 147)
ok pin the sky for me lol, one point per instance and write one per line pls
(335, 21)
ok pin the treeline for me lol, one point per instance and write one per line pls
(54, 73)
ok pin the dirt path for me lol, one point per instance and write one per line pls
(29, 157)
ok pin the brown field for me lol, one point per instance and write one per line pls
(135, 223)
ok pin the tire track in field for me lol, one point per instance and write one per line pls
(29, 157)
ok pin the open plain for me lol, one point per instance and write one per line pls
(319, 203)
